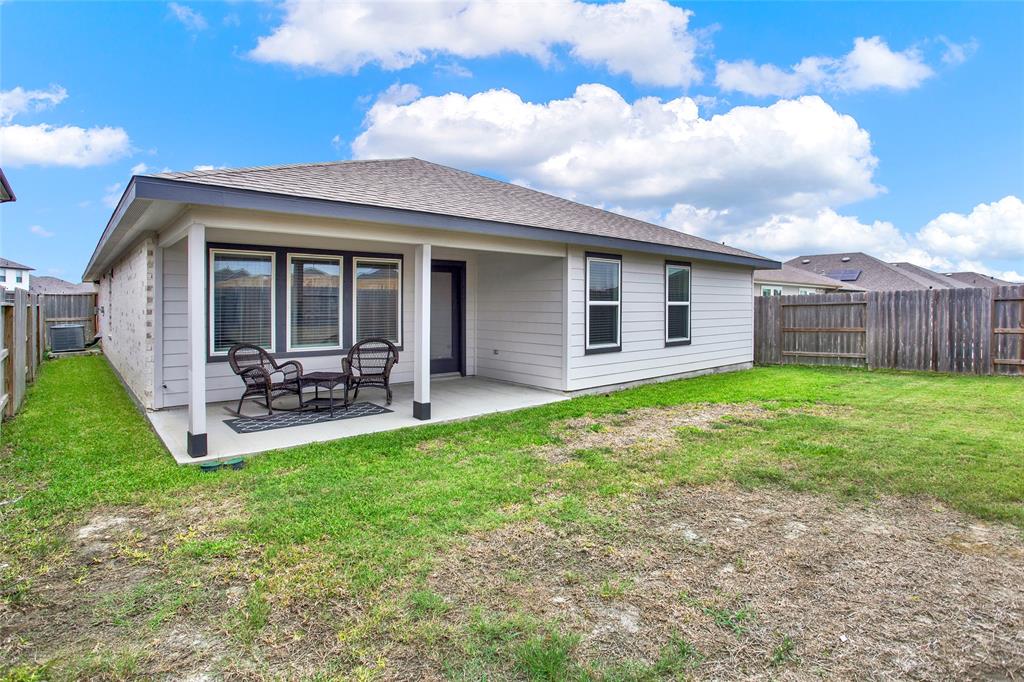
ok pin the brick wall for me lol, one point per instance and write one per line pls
(125, 299)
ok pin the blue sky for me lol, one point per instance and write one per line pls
(901, 133)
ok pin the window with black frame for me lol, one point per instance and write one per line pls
(604, 303)
(677, 303)
(377, 295)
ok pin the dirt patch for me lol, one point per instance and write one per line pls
(117, 593)
(654, 428)
(765, 583)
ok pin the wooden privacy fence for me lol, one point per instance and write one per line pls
(70, 309)
(974, 331)
(23, 338)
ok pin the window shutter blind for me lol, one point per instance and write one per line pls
(315, 299)
(377, 294)
(242, 300)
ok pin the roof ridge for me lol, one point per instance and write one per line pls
(207, 172)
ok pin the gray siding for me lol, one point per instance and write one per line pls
(721, 321)
(519, 319)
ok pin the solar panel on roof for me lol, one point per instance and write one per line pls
(844, 275)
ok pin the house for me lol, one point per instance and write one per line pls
(545, 297)
(791, 280)
(6, 193)
(14, 275)
(976, 279)
(872, 274)
(54, 285)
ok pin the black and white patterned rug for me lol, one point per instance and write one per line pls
(284, 420)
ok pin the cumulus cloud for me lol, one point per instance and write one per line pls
(870, 65)
(40, 231)
(649, 40)
(139, 169)
(989, 230)
(192, 20)
(19, 101)
(47, 145)
(599, 148)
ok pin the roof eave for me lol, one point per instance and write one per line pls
(6, 193)
(184, 192)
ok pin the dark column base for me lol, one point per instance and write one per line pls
(196, 444)
(421, 410)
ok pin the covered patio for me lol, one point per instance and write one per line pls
(452, 398)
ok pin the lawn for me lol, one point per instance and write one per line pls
(804, 520)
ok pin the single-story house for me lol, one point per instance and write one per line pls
(521, 296)
(792, 281)
(45, 284)
(873, 274)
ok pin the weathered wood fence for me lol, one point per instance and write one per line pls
(70, 309)
(24, 345)
(975, 331)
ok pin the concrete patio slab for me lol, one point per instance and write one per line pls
(452, 399)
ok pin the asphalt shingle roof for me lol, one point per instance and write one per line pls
(790, 274)
(45, 284)
(876, 275)
(976, 279)
(4, 263)
(930, 277)
(417, 185)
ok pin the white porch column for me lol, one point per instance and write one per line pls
(421, 333)
(196, 438)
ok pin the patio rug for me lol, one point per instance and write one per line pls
(284, 420)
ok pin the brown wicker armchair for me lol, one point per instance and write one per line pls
(263, 376)
(369, 363)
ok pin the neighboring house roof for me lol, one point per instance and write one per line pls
(417, 185)
(6, 193)
(44, 284)
(976, 279)
(865, 271)
(926, 276)
(789, 274)
(4, 263)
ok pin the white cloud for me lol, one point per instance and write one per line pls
(139, 169)
(647, 39)
(189, 18)
(112, 194)
(597, 147)
(19, 101)
(452, 69)
(871, 64)
(206, 167)
(994, 230)
(40, 231)
(957, 53)
(47, 145)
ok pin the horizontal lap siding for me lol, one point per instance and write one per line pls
(221, 382)
(519, 315)
(721, 319)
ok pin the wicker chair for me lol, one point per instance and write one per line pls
(369, 363)
(263, 376)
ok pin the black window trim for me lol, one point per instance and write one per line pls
(689, 321)
(586, 303)
(281, 292)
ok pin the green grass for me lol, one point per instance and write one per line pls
(362, 515)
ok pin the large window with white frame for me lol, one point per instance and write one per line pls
(377, 299)
(677, 303)
(314, 302)
(603, 303)
(241, 299)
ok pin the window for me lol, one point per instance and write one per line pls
(677, 303)
(241, 299)
(806, 292)
(377, 301)
(3, 275)
(604, 294)
(771, 291)
(17, 277)
(314, 302)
